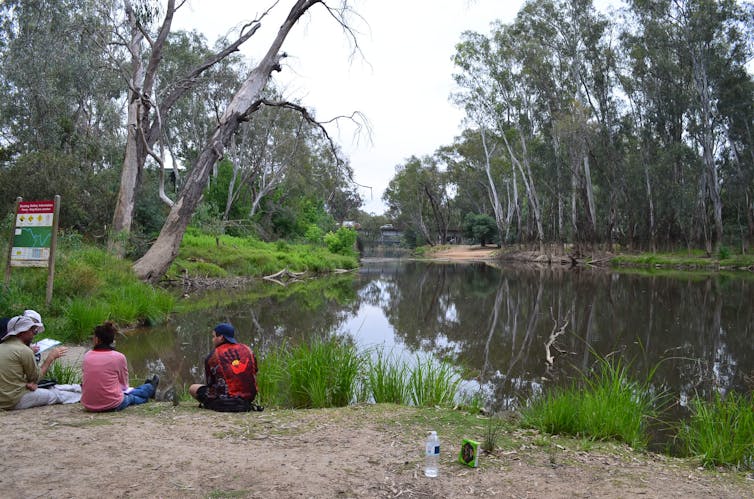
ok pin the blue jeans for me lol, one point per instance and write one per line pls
(138, 395)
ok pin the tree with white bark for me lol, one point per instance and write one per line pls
(246, 101)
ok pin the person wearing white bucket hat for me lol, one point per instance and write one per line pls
(38, 328)
(19, 371)
(37, 319)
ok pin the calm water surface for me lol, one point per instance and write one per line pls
(496, 322)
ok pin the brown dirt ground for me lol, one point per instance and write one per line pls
(462, 252)
(158, 450)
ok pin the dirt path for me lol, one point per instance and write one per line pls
(157, 450)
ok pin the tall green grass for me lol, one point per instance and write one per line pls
(433, 382)
(721, 431)
(64, 374)
(90, 286)
(605, 405)
(333, 373)
(387, 378)
(322, 373)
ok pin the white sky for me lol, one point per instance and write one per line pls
(401, 83)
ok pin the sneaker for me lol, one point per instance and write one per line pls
(154, 382)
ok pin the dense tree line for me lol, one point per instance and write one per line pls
(635, 128)
(100, 96)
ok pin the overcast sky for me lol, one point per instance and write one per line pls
(401, 82)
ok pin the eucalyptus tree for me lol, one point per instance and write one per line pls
(475, 172)
(246, 100)
(736, 104)
(569, 63)
(143, 32)
(263, 151)
(417, 197)
(682, 51)
(60, 112)
(494, 94)
(655, 80)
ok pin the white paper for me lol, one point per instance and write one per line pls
(46, 344)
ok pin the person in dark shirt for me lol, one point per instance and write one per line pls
(3, 326)
(230, 374)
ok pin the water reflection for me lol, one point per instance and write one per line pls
(493, 321)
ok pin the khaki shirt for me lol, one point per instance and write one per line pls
(17, 367)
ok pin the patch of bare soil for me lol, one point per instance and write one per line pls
(465, 252)
(158, 450)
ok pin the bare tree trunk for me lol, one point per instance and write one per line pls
(574, 211)
(143, 132)
(590, 194)
(153, 265)
(652, 228)
(135, 156)
(528, 178)
(502, 226)
(702, 86)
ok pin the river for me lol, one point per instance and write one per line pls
(692, 331)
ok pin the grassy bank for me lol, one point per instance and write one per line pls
(691, 259)
(203, 255)
(607, 404)
(92, 286)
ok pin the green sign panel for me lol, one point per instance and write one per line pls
(33, 234)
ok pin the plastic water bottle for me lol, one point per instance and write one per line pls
(432, 456)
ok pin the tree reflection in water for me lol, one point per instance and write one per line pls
(494, 322)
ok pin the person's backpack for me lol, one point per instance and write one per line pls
(231, 404)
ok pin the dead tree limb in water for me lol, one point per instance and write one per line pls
(284, 277)
(549, 358)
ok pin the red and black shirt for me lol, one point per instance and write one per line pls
(231, 371)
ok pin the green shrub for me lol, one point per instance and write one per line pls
(314, 234)
(342, 241)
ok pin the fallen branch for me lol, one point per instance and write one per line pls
(549, 358)
(284, 277)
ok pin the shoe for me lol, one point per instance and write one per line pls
(154, 382)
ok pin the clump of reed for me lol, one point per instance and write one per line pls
(493, 431)
(387, 378)
(333, 373)
(721, 431)
(64, 374)
(605, 404)
(322, 373)
(433, 382)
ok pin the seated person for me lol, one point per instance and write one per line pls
(105, 376)
(230, 372)
(36, 318)
(19, 371)
(3, 327)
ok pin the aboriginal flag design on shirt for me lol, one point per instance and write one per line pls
(231, 371)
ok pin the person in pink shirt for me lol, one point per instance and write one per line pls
(105, 376)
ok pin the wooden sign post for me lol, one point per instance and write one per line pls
(34, 239)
